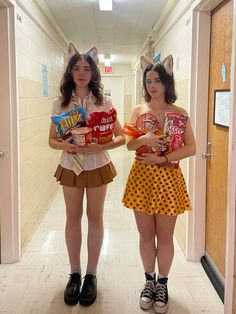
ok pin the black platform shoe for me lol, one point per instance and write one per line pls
(72, 291)
(89, 290)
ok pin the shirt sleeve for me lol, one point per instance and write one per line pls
(56, 107)
(107, 102)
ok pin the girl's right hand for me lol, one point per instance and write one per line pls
(67, 146)
(153, 140)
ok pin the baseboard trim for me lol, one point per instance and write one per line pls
(215, 280)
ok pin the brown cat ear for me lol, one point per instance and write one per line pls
(168, 64)
(71, 51)
(144, 63)
(93, 53)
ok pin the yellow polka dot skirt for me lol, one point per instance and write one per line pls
(154, 189)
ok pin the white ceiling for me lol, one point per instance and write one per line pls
(120, 32)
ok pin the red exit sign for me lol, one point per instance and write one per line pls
(108, 69)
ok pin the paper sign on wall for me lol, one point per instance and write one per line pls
(45, 80)
(224, 72)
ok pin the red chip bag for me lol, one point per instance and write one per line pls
(102, 124)
(174, 128)
(146, 122)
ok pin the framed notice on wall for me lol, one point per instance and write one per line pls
(221, 107)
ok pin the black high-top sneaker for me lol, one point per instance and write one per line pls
(161, 296)
(72, 291)
(147, 295)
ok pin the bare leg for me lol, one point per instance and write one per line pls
(165, 247)
(74, 210)
(146, 228)
(95, 205)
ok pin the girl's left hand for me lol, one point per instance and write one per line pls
(149, 158)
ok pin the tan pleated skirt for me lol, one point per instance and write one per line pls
(86, 179)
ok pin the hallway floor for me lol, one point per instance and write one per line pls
(36, 284)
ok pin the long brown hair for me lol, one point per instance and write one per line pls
(68, 85)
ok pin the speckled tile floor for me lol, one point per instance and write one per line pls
(35, 285)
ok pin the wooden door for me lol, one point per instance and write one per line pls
(220, 56)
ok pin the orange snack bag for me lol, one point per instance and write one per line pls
(145, 123)
(131, 130)
(149, 149)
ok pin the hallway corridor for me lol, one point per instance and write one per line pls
(36, 284)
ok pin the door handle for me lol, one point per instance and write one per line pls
(1, 155)
(207, 155)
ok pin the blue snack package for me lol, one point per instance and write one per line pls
(68, 120)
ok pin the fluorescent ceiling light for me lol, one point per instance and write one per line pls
(105, 5)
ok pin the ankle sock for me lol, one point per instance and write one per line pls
(90, 271)
(75, 270)
(150, 276)
(162, 279)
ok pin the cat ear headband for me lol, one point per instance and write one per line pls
(167, 63)
(72, 50)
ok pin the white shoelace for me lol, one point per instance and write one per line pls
(148, 290)
(161, 294)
